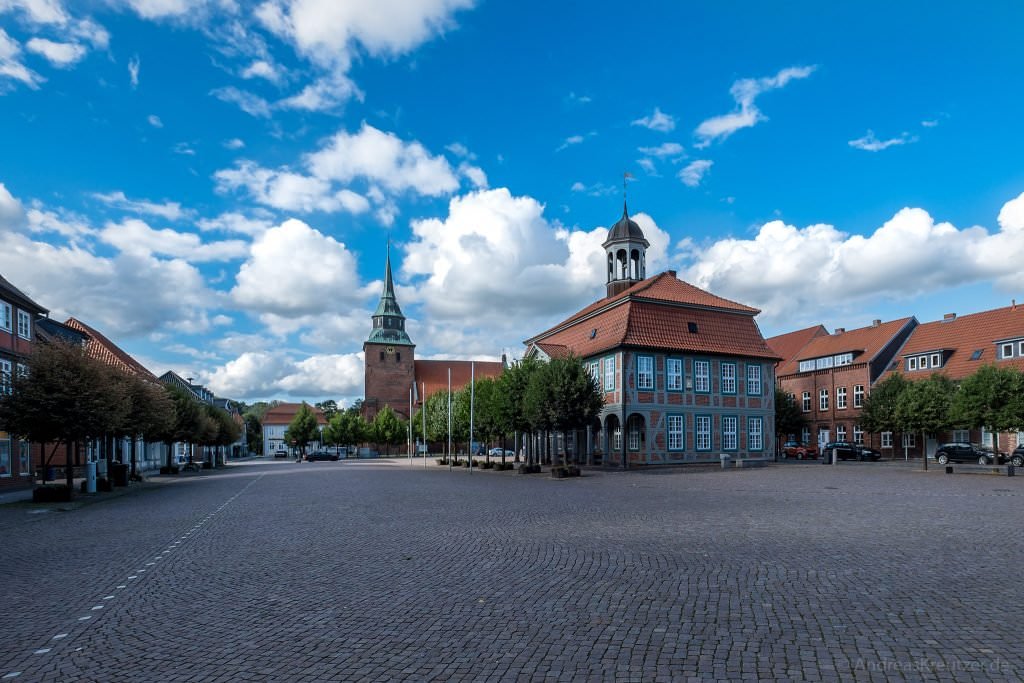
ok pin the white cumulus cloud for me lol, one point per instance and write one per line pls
(870, 143)
(61, 55)
(658, 120)
(694, 172)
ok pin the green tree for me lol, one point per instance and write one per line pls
(990, 398)
(253, 433)
(187, 423)
(789, 418)
(151, 414)
(303, 429)
(879, 413)
(925, 406)
(346, 428)
(388, 428)
(488, 419)
(329, 408)
(563, 396)
(512, 387)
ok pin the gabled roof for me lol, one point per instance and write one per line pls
(864, 342)
(960, 337)
(48, 328)
(284, 413)
(432, 375)
(788, 345)
(102, 349)
(660, 313)
(12, 294)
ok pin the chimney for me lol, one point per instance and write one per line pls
(839, 330)
(949, 317)
(876, 323)
(672, 273)
(1013, 304)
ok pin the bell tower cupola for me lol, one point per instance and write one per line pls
(625, 254)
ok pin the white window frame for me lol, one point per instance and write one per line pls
(755, 434)
(823, 400)
(858, 395)
(841, 400)
(728, 377)
(912, 364)
(909, 440)
(823, 363)
(609, 373)
(886, 439)
(702, 376)
(674, 374)
(986, 437)
(1006, 350)
(6, 375)
(6, 316)
(645, 373)
(730, 433)
(702, 432)
(675, 426)
(25, 458)
(806, 365)
(595, 371)
(754, 385)
(961, 436)
(24, 325)
(805, 435)
(844, 359)
(633, 437)
(805, 402)
(936, 360)
(617, 439)
(840, 432)
(858, 435)
(1020, 348)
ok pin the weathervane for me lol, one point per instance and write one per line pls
(625, 176)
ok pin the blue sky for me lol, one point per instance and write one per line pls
(212, 183)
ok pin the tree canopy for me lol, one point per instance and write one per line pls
(303, 429)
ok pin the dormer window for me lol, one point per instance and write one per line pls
(912, 364)
(1006, 351)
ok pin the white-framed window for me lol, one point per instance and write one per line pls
(702, 428)
(6, 313)
(805, 435)
(840, 432)
(1020, 439)
(823, 363)
(886, 439)
(5, 457)
(633, 436)
(728, 378)
(25, 458)
(617, 438)
(1006, 351)
(702, 376)
(609, 373)
(858, 434)
(912, 363)
(730, 438)
(858, 395)
(24, 325)
(844, 359)
(5, 376)
(936, 360)
(675, 432)
(823, 399)
(674, 374)
(909, 440)
(986, 437)
(595, 371)
(806, 402)
(755, 434)
(645, 372)
(753, 380)
(961, 436)
(841, 400)
(1020, 348)
(806, 365)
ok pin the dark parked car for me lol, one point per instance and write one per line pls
(281, 454)
(795, 449)
(844, 450)
(965, 452)
(865, 453)
(322, 455)
(1017, 457)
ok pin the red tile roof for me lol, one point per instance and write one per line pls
(434, 374)
(284, 413)
(864, 342)
(657, 314)
(961, 336)
(788, 345)
(102, 349)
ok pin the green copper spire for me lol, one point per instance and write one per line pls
(388, 321)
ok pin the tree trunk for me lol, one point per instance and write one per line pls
(69, 470)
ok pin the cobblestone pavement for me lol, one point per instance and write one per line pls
(274, 571)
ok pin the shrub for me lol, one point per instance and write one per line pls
(442, 461)
(53, 493)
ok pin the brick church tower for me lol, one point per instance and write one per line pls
(388, 356)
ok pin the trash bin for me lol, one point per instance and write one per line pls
(726, 460)
(119, 473)
(828, 455)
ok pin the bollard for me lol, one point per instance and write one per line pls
(90, 477)
(725, 458)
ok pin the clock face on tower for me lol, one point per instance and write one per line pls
(391, 349)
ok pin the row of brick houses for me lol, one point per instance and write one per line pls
(830, 375)
(24, 323)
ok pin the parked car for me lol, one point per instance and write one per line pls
(281, 453)
(322, 455)
(865, 453)
(798, 450)
(844, 450)
(965, 452)
(495, 452)
(1017, 456)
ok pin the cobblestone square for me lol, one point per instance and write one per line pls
(382, 570)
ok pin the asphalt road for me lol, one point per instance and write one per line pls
(338, 571)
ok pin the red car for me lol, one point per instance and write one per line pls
(800, 451)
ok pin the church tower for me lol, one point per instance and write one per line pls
(626, 254)
(388, 356)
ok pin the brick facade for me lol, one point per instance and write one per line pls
(389, 375)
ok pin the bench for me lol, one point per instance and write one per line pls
(1001, 470)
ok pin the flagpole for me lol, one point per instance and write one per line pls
(472, 393)
(410, 425)
(449, 419)
(423, 399)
